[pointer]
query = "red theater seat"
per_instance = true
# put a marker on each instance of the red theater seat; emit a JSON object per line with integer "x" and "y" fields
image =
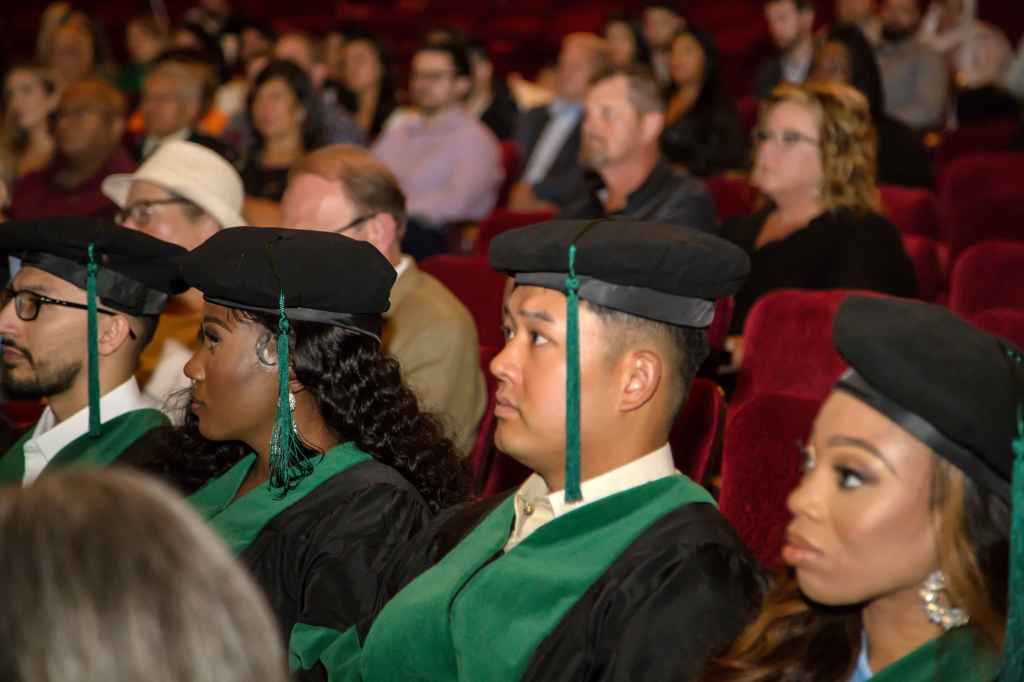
{"x": 913, "y": 211}
{"x": 924, "y": 253}
{"x": 988, "y": 275}
{"x": 1005, "y": 322}
{"x": 995, "y": 136}
{"x": 502, "y": 220}
{"x": 732, "y": 195}
{"x": 980, "y": 199}
{"x": 761, "y": 465}
{"x": 787, "y": 345}
{"x": 478, "y": 286}
{"x": 697, "y": 435}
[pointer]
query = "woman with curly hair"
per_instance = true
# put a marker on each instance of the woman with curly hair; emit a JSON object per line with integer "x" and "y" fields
{"x": 322, "y": 463}
{"x": 903, "y": 564}
{"x": 819, "y": 227}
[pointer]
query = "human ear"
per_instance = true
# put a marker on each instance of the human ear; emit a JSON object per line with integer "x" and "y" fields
{"x": 642, "y": 374}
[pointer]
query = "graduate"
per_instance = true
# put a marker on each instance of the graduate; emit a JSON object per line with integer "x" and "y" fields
{"x": 75, "y": 319}
{"x": 323, "y": 463}
{"x": 900, "y": 542}
{"x": 607, "y": 563}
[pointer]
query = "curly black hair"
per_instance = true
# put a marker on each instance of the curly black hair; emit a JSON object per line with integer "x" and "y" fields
{"x": 361, "y": 396}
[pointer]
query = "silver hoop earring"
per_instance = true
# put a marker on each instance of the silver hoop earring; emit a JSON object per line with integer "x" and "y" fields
{"x": 291, "y": 407}
{"x": 946, "y": 617}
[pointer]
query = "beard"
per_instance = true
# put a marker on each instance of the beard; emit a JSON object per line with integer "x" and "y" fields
{"x": 897, "y": 34}
{"x": 45, "y": 381}
{"x": 594, "y": 154}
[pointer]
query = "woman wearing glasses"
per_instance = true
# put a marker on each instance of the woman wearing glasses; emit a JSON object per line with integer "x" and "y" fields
{"x": 819, "y": 227}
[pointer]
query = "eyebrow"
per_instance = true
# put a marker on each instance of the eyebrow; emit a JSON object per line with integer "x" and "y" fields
{"x": 209, "y": 319}
{"x": 850, "y": 441}
{"x": 540, "y": 315}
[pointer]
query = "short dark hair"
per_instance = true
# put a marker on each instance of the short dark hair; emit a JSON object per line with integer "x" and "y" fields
{"x": 456, "y": 51}
{"x": 801, "y": 5}
{"x": 644, "y": 92}
{"x": 689, "y": 346}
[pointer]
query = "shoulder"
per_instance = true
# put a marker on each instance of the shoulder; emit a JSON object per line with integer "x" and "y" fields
{"x": 431, "y": 296}
{"x": 858, "y": 224}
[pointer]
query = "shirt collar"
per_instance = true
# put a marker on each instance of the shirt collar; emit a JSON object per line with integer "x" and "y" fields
{"x": 648, "y": 188}
{"x": 650, "y": 467}
{"x": 560, "y": 106}
{"x": 50, "y": 438}
{"x": 403, "y": 265}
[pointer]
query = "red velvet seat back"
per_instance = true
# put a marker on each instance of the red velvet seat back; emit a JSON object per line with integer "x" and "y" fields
{"x": 761, "y": 465}
{"x": 924, "y": 254}
{"x": 501, "y": 220}
{"x": 980, "y": 199}
{"x": 994, "y": 136}
{"x": 719, "y": 328}
{"x": 1005, "y": 322}
{"x": 787, "y": 345}
{"x": 478, "y": 286}
{"x": 912, "y": 211}
{"x": 732, "y": 196}
{"x": 988, "y": 275}
{"x": 698, "y": 432}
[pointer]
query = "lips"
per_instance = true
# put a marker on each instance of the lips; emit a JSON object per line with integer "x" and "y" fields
{"x": 504, "y": 407}
{"x": 799, "y": 551}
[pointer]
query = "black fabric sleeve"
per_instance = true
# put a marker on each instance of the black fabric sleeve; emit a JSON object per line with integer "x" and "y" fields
{"x": 871, "y": 256}
{"x": 678, "y": 596}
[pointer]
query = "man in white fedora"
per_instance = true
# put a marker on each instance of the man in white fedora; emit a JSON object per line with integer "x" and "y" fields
{"x": 182, "y": 194}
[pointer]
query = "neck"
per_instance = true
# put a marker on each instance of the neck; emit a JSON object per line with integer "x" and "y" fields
{"x": 283, "y": 149}
{"x": 39, "y": 136}
{"x": 684, "y": 98}
{"x": 622, "y": 179}
{"x": 630, "y": 441}
{"x": 434, "y": 114}
{"x": 895, "y": 626}
{"x": 313, "y": 430}
{"x": 797, "y": 209}
{"x": 76, "y": 398}
{"x": 803, "y": 50}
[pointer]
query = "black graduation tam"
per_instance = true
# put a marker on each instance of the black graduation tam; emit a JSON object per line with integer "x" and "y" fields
{"x": 135, "y": 272}
{"x": 949, "y": 384}
{"x": 324, "y": 277}
{"x": 662, "y": 272}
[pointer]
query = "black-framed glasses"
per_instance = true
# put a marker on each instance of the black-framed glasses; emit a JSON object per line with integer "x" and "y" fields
{"x": 788, "y": 138}
{"x": 355, "y": 223}
{"x": 28, "y": 303}
{"x": 141, "y": 212}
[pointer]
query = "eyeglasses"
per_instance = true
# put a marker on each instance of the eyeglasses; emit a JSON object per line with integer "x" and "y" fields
{"x": 141, "y": 212}
{"x": 356, "y": 223}
{"x": 28, "y": 303}
{"x": 788, "y": 138}
{"x": 432, "y": 76}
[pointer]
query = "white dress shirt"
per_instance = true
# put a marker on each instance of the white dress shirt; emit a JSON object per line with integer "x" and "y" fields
{"x": 536, "y": 505}
{"x": 563, "y": 119}
{"x": 49, "y": 437}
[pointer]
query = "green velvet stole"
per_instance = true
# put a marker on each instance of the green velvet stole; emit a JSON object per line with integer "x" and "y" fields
{"x": 118, "y": 434}
{"x": 956, "y": 655}
{"x": 470, "y": 618}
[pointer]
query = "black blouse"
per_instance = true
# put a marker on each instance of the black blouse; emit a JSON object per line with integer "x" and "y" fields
{"x": 839, "y": 249}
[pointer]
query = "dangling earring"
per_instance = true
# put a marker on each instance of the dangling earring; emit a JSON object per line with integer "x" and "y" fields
{"x": 291, "y": 406}
{"x": 946, "y": 617}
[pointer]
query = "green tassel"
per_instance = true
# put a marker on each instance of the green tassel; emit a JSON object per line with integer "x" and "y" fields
{"x": 93, "y": 341}
{"x": 1013, "y": 646}
{"x": 572, "y": 383}
{"x": 288, "y": 465}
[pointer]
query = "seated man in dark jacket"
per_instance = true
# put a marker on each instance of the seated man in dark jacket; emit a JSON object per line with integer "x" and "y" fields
{"x": 622, "y": 125}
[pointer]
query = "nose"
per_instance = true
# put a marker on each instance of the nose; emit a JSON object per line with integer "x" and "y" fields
{"x": 805, "y": 499}
{"x": 194, "y": 367}
{"x": 503, "y": 365}
{"x": 9, "y": 321}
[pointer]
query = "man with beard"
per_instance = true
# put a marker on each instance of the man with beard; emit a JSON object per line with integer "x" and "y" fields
{"x": 791, "y": 25}
{"x": 74, "y": 320}
{"x": 623, "y": 120}
{"x": 914, "y": 76}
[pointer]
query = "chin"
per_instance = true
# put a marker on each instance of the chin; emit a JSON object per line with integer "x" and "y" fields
{"x": 834, "y": 593}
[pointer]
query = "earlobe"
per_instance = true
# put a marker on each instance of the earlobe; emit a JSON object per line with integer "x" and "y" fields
{"x": 643, "y": 376}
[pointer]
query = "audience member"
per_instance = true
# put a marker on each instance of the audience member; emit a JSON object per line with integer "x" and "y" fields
{"x": 489, "y": 98}
{"x": 911, "y": 456}
{"x": 51, "y": 18}
{"x": 702, "y": 130}
{"x": 661, "y": 21}
{"x": 625, "y": 39}
{"x": 814, "y": 162}
{"x": 344, "y": 189}
{"x": 284, "y": 113}
{"x": 175, "y": 96}
{"x": 847, "y": 57}
{"x": 914, "y": 75}
{"x": 183, "y": 194}
{"x": 79, "y": 358}
{"x": 212, "y": 16}
{"x": 190, "y": 38}
{"x": 79, "y": 49}
{"x": 978, "y": 53}
{"x": 90, "y": 123}
{"x": 368, "y": 79}
{"x": 31, "y": 98}
{"x": 606, "y": 552}
{"x": 303, "y": 50}
{"x": 791, "y": 25}
{"x": 254, "y": 38}
{"x": 145, "y": 38}
{"x": 116, "y": 579}
{"x": 549, "y": 135}
{"x": 862, "y": 14}
{"x": 333, "y": 47}
{"x": 625, "y": 117}
{"x": 447, "y": 162}
{"x": 322, "y": 463}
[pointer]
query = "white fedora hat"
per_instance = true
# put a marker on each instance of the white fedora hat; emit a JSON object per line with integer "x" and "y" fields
{"x": 192, "y": 171}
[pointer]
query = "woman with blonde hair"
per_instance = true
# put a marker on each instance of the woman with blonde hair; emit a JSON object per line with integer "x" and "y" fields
{"x": 819, "y": 226}
{"x": 109, "y": 577}
{"x": 30, "y": 100}
{"x": 900, "y": 539}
